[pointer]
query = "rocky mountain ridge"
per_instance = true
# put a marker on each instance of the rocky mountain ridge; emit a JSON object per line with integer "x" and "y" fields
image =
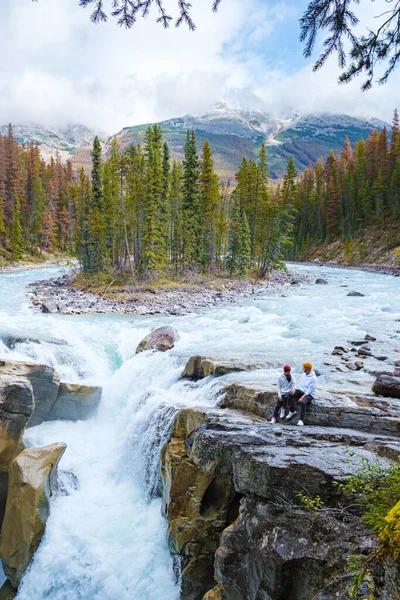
{"x": 233, "y": 133}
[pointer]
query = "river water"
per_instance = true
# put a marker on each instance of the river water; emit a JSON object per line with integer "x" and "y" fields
{"x": 105, "y": 538}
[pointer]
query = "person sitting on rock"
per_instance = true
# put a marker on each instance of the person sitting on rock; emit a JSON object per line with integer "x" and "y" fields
{"x": 304, "y": 394}
{"x": 286, "y": 385}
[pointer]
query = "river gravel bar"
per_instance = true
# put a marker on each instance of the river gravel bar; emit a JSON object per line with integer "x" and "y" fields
{"x": 57, "y": 295}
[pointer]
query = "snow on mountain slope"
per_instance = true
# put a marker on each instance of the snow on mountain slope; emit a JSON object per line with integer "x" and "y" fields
{"x": 232, "y": 131}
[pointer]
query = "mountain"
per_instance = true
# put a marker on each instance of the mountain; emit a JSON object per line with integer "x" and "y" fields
{"x": 66, "y": 139}
{"x": 234, "y": 133}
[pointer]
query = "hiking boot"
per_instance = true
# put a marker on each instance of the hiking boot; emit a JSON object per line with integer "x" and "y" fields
{"x": 273, "y": 420}
{"x": 300, "y": 422}
{"x": 290, "y": 415}
{"x": 282, "y": 413}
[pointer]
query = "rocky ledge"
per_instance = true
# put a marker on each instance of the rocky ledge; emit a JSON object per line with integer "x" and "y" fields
{"x": 233, "y": 486}
{"x": 59, "y": 296}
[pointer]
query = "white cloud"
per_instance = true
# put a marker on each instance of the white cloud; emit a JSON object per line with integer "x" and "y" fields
{"x": 60, "y": 68}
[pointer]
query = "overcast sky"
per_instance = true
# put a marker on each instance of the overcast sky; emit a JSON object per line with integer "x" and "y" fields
{"x": 56, "y": 67}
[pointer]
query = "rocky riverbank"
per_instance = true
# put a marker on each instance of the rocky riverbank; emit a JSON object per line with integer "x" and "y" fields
{"x": 253, "y": 510}
{"x": 368, "y": 267}
{"x": 31, "y": 266}
{"x": 58, "y": 295}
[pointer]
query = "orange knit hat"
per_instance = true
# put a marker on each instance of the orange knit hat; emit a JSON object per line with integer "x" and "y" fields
{"x": 307, "y": 365}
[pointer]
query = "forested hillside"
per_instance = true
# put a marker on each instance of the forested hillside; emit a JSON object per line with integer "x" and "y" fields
{"x": 38, "y": 201}
{"x": 357, "y": 189}
{"x": 142, "y": 216}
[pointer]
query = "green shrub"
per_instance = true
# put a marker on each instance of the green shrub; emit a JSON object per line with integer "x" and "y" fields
{"x": 377, "y": 492}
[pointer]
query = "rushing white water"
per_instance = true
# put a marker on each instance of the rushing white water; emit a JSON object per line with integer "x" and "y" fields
{"x": 105, "y": 538}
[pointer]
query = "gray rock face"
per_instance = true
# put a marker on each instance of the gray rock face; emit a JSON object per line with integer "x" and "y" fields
{"x": 16, "y": 407}
{"x": 33, "y": 476}
{"x": 349, "y": 411}
{"x": 387, "y": 385}
{"x": 199, "y": 367}
{"x": 52, "y": 399}
{"x": 356, "y": 294}
{"x": 161, "y": 339}
{"x": 264, "y": 543}
{"x": 321, "y": 281}
{"x": 45, "y": 383}
{"x": 75, "y": 402}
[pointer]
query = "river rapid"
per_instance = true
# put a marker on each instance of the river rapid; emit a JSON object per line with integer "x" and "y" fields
{"x": 106, "y": 538}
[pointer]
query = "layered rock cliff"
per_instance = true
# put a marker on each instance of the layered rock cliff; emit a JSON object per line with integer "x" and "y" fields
{"x": 234, "y": 490}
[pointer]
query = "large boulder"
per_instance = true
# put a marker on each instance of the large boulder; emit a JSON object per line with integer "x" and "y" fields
{"x": 199, "y": 367}
{"x": 45, "y": 383}
{"x": 49, "y": 305}
{"x": 32, "y": 478}
{"x": 161, "y": 339}
{"x": 387, "y": 385}
{"x": 75, "y": 402}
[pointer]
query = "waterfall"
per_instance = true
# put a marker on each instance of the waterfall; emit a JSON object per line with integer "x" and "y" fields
{"x": 106, "y": 538}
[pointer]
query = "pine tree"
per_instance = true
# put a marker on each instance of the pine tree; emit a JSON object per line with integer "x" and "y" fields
{"x": 244, "y": 246}
{"x": 209, "y": 200}
{"x": 289, "y": 183}
{"x": 16, "y": 236}
{"x": 175, "y": 213}
{"x": 96, "y": 231}
{"x": 154, "y": 249}
{"x": 190, "y": 202}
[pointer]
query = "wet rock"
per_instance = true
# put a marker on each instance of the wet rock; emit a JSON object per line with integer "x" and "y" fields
{"x": 49, "y": 306}
{"x": 32, "y": 477}
{"x": 352, "y": 366}
{"x": 344, "y": 410}
{"x": 231, "y": 488}
{"x": 52, "y": 399}
{"x": 45, "y": 383}
{"x": 199, "y": 367}
{"x": 364, "y": 351}
{"x": 7, "y": 592}
{"x": 11, "y": 339}
{"x": 359, "y": 365}
{"x": 321, "y": 281}
{"x": 340, "y": 350}
{"x": 75, "y": 402}
{"x": 370, "y": 338}
{"x": 16, "y": 407}
{"x": 387, "y": 385}
{"x": 161, "y": 339}
{"x": 356, "y": 294}
{"x": 358, "y": 343}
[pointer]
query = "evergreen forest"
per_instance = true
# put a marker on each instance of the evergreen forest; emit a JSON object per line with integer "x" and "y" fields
{"x": 143, "y": 216}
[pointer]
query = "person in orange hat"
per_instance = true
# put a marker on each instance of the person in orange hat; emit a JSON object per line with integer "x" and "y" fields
{"x": 286, "y": 385}
{"x": 304, "y": 394}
